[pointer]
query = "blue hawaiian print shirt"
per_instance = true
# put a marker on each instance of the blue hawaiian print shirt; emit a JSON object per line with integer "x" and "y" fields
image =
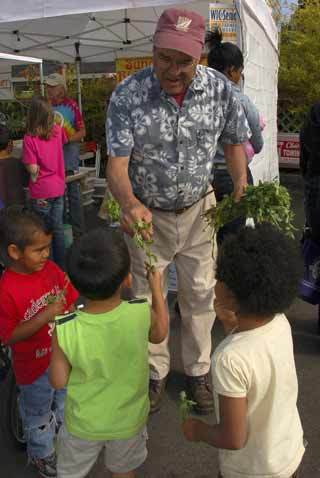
{"x": 172, "y": 148}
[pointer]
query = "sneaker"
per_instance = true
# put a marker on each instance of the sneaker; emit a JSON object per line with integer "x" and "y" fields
{"x": 47, "y": 467}
{"x": 200, "y": 391}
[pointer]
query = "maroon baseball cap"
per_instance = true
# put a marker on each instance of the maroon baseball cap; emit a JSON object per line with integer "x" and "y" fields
{"x": 182, "y": 30}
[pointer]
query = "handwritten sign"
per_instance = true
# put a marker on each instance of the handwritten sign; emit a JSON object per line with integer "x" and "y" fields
{"x": 224, "y": 17}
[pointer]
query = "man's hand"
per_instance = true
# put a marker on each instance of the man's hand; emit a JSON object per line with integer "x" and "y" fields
{"x": 120, "y": 186}
{"x": 77, "y": 135}
{"x": 133, "y": 213}
{"x": 239, "y": 191}
{"x": 191, "y": 429}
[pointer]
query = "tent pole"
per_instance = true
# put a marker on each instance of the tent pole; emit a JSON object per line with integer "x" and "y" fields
{"x": 78, "y": 62}
{"x": 41, "y": 79}
{"x": 79, "y": 85}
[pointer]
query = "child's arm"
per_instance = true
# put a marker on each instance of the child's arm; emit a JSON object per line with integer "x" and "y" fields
{"x": 230, "y": 433}
{"x": 26, "y": 329}
{"x": 253, "y": 119}
{"x": 159, "y": 311}
{"x": 60, "y": 367}
{"x": 33, "y": 170}
{"x": 29, "y": 158}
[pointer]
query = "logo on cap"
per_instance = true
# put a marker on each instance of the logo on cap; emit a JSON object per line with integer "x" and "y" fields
{"x": 183, "y": 24}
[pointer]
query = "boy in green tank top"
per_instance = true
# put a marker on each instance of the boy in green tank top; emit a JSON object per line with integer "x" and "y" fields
{"x": 101, "y": 355}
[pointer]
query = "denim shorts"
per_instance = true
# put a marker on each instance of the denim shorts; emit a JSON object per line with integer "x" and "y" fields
{"x": 76, "y": 457}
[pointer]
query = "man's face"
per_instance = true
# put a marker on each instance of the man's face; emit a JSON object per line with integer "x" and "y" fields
{"x": 175, "y": 70}
{"x": 56, "y": 94}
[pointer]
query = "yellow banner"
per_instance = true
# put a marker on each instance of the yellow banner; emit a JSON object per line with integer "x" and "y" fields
{"x": 127, "y": 66}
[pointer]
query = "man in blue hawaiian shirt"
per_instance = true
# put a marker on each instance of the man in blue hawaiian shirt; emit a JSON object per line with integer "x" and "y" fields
{"x": 163, "y": 125}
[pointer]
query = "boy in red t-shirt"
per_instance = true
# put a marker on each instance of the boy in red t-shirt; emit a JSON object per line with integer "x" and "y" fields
{"x": 33, "y": 290}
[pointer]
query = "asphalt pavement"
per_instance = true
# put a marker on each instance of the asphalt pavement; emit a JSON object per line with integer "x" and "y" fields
{"x": 170, "y": 456}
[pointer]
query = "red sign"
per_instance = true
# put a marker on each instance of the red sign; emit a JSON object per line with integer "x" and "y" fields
{"x": 288, "y": 150}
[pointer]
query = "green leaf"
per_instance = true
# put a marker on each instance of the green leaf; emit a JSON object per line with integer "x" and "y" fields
{"x": 185, "y": 406}
{"x": 267, "y": 202}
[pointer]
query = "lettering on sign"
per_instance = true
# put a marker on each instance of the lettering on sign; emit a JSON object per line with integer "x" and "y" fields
{"x": 127, "y": 66}
{"x": 289, "y": 150}
{"x": 224, "y": 17}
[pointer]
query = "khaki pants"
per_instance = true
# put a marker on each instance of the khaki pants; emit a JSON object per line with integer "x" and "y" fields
{"x": 182, "y": 239}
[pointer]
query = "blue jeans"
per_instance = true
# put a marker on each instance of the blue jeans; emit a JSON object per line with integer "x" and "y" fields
{"x": 73, "y": 197}
{"x": 51, "y": 210}
{"x": 42, "y": 412}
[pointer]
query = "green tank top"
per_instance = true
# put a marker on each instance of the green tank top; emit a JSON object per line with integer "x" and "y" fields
{"x": 107, "y": 392}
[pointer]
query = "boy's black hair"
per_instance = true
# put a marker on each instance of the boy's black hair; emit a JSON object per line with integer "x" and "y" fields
{"x": 4, "y": 137}
{"x": 261, "y": 266}
{"x": 17, "y": 226}
{"x": 98, "y": 263}
{"x": 222, "y": 55}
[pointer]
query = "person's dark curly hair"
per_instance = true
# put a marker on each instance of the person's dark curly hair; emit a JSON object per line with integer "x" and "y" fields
{"x": 261, "y": 266}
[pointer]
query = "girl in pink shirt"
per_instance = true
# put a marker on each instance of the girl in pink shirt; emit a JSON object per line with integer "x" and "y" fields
{"x": 43, "y": 158}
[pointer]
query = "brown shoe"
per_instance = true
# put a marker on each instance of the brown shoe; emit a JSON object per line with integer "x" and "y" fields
{"x": 199, "y": 390}
{"x": 156, "y": 389}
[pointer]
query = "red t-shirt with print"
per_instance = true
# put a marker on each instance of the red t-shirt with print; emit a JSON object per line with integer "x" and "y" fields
{"x": 22, "y": 297}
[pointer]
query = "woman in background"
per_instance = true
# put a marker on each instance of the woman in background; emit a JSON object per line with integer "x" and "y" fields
{"x": 227, "y": 58}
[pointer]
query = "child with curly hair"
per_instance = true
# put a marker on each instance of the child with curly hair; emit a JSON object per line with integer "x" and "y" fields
{"x": 259, "y": 432}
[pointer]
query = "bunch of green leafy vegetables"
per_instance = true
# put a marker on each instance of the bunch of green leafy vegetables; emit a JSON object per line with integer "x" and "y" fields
{"x": 139, "y": 228}
{"x": 267, "y": 202}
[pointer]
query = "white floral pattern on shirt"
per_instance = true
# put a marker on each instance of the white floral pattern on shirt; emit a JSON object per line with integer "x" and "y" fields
{"x": 172, "y": 148}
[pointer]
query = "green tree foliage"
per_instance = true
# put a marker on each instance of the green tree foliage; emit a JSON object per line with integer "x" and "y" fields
{"x": 95, "y": 95}
{"x": 299, "y": 83}
{"x": 15, "y": 113}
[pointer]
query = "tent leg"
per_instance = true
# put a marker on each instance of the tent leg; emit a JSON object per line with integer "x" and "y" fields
{"x": 41, "y": 80}
{"x": 78, "y": 85}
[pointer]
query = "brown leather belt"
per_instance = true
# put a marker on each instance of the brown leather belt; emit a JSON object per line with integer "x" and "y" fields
{"x": 174, "y": 211}
{"x": 183, "y": 209}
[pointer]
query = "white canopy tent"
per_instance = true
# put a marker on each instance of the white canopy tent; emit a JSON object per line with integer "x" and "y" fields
{"x": 103, "y": 35}
{"x": 110, "y": 29}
